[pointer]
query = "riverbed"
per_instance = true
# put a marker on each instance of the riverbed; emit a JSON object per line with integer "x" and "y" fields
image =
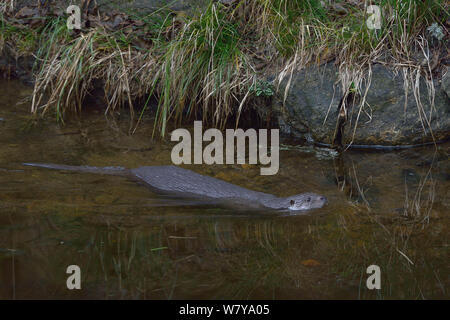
{"x": 389, "y": 209}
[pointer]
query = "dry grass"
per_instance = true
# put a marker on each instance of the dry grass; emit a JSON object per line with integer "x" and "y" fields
{"x": 206, "y": 65}
{"x": 68, "y": 74}
{"x": 356, "y": 48}
{"x": 203, "y": 66}
{"x": 6, "y": 6}
{"x": 420, "y": 205}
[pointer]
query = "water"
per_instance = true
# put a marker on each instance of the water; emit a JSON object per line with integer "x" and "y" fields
{"x": 389, "y": 209}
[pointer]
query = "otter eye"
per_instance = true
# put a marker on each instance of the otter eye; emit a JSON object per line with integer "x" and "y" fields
{"x": 308, "y": 199}
{"x": 292, "y": 202}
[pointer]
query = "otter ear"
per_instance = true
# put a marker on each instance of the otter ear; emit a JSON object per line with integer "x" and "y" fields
{"x": 292, "y": 202}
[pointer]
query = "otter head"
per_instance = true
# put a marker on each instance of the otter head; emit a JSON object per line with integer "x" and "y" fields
{"x": 306, "y": 201}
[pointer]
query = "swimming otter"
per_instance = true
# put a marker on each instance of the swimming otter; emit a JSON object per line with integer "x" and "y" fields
{"x": 188, "y": 183}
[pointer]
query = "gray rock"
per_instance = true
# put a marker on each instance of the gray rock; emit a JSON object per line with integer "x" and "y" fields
{"x": 314, "y": 91}
{"x": 445, "y": 83}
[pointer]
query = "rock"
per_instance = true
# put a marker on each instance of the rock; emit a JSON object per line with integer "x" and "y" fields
{"x": 27, "y": 12}
{"x": 313, "y": 92}
{"x": 445, "y": 83}
{"x": 15, "y": 66}
{"x": 339, "y": 9}
{"x": 227, "y": 2}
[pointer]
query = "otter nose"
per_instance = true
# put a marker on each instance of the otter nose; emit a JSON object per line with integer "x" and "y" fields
{"x": 323, "y": 199}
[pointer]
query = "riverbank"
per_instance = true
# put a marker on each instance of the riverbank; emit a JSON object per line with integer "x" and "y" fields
{"x": 314, "y": 69}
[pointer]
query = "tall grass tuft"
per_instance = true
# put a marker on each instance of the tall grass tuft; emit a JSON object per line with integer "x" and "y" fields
{"x": 67, "y": 73}
{"x": 206, "y": 64}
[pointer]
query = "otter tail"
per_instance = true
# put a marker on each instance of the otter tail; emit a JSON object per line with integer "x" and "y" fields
{"x": 119, "y": 171}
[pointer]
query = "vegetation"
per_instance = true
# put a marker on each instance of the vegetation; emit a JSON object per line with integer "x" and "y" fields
{"x": 213, "y": 62}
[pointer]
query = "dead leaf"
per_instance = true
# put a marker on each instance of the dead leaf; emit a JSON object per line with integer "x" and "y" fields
{"x": 310, "y": 263}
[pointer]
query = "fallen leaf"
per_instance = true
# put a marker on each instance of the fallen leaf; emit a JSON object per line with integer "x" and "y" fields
{"x": 310, "y": 263}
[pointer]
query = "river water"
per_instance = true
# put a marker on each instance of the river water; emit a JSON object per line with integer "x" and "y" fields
{"x": 389, "y": 209}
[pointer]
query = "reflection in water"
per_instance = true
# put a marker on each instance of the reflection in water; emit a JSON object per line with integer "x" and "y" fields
{"x": 389, "y": 209}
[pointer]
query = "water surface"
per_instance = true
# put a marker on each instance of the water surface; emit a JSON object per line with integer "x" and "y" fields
{"x": 389, "y": 209}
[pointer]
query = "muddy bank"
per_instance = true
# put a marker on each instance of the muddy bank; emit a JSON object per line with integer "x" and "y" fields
{"x": 383, "y": 113}
{"x": 18, "y": 62}
{"x": 144, "y": 6}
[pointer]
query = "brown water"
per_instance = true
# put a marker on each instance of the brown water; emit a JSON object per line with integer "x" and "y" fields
{"x": 389, "y": 209}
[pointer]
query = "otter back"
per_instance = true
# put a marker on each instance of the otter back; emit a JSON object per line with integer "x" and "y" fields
{"x": 179, "y": 180}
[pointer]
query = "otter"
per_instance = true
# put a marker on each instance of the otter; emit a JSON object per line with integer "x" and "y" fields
{"x": 176, "y": 180}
